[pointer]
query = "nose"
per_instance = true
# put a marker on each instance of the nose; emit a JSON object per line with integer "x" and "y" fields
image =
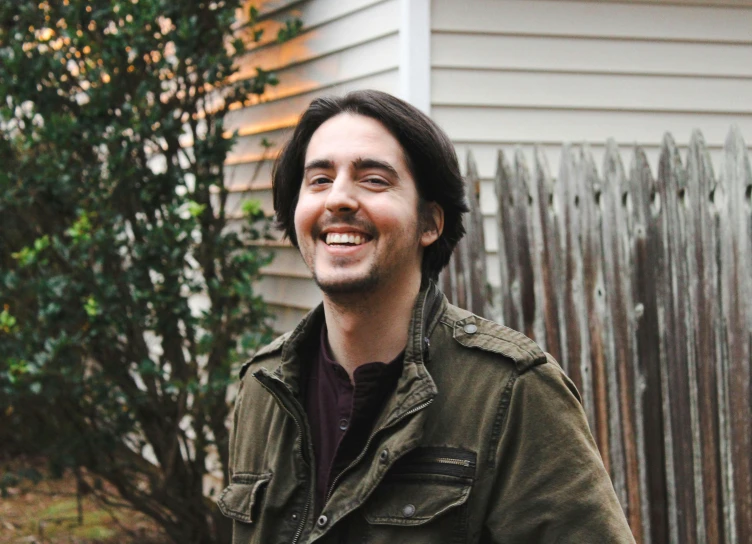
{"x": 341, "y": 198}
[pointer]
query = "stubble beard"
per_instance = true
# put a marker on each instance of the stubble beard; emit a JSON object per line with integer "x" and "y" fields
{"x": 338, "y": 289}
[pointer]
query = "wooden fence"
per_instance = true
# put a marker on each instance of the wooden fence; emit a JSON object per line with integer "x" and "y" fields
{"x": 642, "y": 289}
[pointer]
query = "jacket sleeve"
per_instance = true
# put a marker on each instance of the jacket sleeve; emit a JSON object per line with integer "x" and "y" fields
{"x": 551, "y": 485}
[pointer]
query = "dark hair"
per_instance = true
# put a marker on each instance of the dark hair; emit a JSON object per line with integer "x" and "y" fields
{"x": 429, "y": 154}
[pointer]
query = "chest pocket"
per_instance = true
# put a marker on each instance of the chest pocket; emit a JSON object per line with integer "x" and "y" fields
{"x": 424, "y": 495}
{"x": 241, "y": 500}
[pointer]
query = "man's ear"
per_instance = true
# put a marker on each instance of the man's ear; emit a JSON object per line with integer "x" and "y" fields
{"x": 432, "y": 223}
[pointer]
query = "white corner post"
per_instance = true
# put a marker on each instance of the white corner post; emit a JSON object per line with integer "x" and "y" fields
{"x": 415, "y": 53}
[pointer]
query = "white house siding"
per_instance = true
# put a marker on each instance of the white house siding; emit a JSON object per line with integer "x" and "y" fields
{"x": 346, "y": 45}
{"x": 522, "y": 72}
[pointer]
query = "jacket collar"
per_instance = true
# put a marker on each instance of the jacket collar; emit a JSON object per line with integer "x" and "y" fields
{"x": 414, "y": 384}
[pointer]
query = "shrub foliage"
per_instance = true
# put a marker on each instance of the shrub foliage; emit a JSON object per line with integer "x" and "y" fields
{"x": 126, "y": 297}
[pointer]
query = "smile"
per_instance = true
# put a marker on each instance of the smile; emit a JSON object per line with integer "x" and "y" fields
{"x": 344, "y": 238}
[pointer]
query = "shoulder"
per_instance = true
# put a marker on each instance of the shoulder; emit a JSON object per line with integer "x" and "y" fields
{"x": 472, "y": 332}
{"x": 265, "y": 352}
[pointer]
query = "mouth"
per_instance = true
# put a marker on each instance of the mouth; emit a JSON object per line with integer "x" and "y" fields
{"x": 342, "y": 239}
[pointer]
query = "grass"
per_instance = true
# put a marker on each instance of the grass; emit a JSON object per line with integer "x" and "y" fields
{"x": 46, "y": 512}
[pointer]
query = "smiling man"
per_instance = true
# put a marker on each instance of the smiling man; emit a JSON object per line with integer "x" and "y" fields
{"x": 389, "y": 415}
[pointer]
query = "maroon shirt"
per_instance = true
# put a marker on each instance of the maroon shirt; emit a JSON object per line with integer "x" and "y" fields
{"x": 341, "y": 415}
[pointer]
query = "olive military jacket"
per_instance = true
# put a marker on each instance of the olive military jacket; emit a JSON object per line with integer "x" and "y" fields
{"x": 484, "y": 440}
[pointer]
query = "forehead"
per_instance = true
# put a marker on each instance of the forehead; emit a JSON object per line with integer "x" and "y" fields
{"x": 348, "y": 136}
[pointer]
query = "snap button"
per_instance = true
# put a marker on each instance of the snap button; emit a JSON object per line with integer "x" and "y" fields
{"x": 408, "y": 510}
{"x": 295, "y": 516}
{"x": 343, "y": 424}
{"x": 322, "y": 521}
{"x": 384, "y": 456}
{"x": 470, "y": 328}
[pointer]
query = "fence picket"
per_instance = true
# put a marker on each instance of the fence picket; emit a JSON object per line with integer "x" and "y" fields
{"x": 703, "y": 315}
{"x": 615, "y": 259}
{"x": 597, "y": 312}
{"x": 645, "y": 248}
{"x": 549, "y": 248}
{"x": 474, "y": 260}
{"x": 506, "y": 193}
{"x": 736, "y": 287}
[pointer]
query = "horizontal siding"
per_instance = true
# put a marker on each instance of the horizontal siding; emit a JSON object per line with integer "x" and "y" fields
{"x": 465, "y": 87}
{"x": 374, "y": 56}
{"x": 248, "y": 175}
{"x": 513, "y": 75}
{"x": 345, "y": 46}
{"x": 235, "y": 200}
{"x": 372, "y": 19}
{"x": 287, "y": 261}
{"x": 285, "y": 318}
{"x": 590, "y": 55}
{"x": 594, "y": 19}
{"x": 249, "y": 147}
{"x": 276, "y": 114}
{"x": 549, "y": 126}
{"x": 298, "y": 293}
{"x": 315, "y": 14}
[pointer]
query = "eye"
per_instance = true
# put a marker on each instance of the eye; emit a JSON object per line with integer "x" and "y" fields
{"x": 319, "y": 181}
{"x": 376, "y": 181}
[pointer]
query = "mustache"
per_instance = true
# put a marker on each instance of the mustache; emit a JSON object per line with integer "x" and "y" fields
{"x": 355, "y": 223}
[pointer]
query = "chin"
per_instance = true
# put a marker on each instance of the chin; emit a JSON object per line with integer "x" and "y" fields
{"x": 363, "y": 284}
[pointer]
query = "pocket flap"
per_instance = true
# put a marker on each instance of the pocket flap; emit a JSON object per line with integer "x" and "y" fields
{"x": 414, "y": 500}
{"x": 239, "y": 499}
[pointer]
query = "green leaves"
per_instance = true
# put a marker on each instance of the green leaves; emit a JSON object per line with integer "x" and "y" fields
{"x": 29, "y": 255}
{"x": 7, "y": 321}
{"x": 128, "y": 287}
{"x": 252, "y": 208}
{"x": 80, "y": 231}
{"x": 195, "y": 209}
{"x": 292, "y": 28}
{"x": 91, "y": 307}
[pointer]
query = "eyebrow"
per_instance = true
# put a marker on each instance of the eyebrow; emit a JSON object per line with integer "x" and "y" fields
{"x": 323, "y": 164}
{"x": 358, "y": 164}
{"x": 369, "y": 164}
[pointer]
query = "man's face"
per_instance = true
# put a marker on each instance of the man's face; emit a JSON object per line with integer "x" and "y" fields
{"x": 357, "y": 218}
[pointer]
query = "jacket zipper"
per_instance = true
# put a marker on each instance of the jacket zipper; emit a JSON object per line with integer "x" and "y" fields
{"x": 368, "y": 443}
{"x": 448, "y": 461}
{"x": 408, "y": 413}
{"x": 309, "y": 500}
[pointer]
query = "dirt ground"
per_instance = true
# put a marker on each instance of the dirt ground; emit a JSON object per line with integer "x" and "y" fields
{"x": 46, "y": 512}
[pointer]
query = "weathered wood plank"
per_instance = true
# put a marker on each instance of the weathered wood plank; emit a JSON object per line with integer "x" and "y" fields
{"x": 473, "y": 254}
{"x": 501, "y": 181}
{"x": 549, "y": 245}
{"x": 511, "y": 233}
{"x": 621, "y": 380}
{"x": 597, "y": 311}
{"x": 672, "y": 301}
{"x": 524, "y": 279}
{"x": 575, "y": 324}
{"x": 645, "y": 252}
{"x": 736, "y": 286}
{"x": 701, "y": 217}
{"x": 528, "y": 247}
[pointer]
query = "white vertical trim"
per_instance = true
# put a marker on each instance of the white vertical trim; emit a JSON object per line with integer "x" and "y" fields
{"x": 415, "y": 53}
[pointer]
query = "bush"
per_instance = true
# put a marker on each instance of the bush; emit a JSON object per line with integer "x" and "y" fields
{"x": 126, "y": 297}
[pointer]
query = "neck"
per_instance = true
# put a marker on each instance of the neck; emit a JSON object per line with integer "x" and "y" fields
{"x": 366, "y": 328}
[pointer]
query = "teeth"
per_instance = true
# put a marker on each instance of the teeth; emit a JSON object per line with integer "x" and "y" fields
{"x": 336, "y": 238}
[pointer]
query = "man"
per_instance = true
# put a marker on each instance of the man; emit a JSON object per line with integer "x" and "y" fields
{"x": 389, "y": 415}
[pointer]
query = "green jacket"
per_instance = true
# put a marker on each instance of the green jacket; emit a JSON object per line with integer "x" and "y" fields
{"x": 484, "y": 440}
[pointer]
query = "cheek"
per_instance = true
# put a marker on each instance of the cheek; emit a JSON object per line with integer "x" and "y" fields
{"x": 305, "y": 217}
